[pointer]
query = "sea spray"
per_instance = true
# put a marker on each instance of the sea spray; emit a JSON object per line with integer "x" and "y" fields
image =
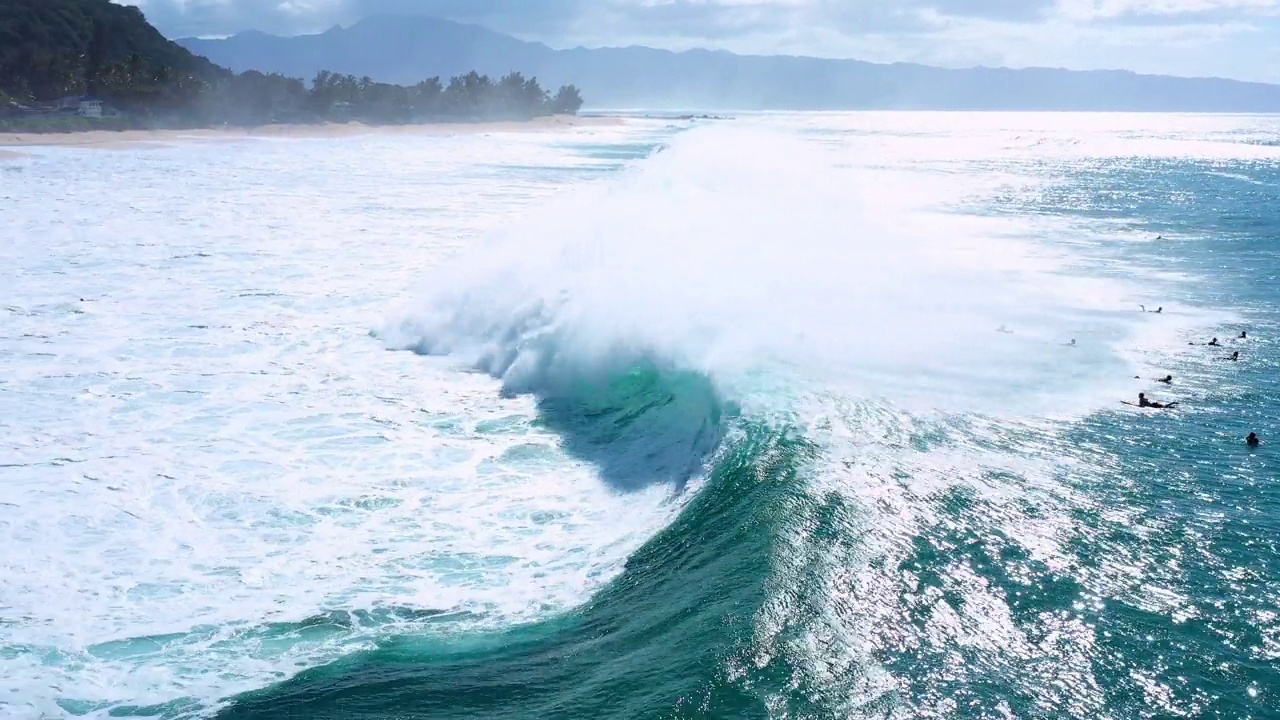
{"x": 747, "y": 255}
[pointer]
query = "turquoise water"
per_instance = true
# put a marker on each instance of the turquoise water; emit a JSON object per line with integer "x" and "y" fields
{"x": 727, "y": 431}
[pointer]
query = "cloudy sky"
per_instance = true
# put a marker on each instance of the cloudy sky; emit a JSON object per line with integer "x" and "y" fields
{"x": 1227, "y": 38}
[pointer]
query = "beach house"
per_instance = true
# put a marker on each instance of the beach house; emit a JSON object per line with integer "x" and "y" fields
{"x": 81, "y": 105}
{"x": 90, "y": 108}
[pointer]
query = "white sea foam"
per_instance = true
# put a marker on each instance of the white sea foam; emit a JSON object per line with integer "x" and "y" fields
{"x": 744, "y": 252}
{"x": 199, "y": 438}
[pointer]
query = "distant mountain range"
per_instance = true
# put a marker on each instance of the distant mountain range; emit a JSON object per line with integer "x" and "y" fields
{"x": 406, "y": 49}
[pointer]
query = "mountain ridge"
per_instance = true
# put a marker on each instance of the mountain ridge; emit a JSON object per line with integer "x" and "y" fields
{"x": 399, "y": 48}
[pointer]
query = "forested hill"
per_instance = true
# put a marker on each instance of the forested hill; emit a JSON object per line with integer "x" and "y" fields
{"x": 53, "y": 48}
{"x": 131, "y": 76}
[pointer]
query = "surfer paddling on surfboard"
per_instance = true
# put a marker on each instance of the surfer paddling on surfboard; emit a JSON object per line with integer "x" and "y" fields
{"x": 1145, "y": 403}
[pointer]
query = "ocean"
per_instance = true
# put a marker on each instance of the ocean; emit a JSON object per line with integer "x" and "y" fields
{"x": 783, "y": 416}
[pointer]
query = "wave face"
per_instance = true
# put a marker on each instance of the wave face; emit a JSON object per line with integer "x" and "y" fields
{"x": 659, "y": 641}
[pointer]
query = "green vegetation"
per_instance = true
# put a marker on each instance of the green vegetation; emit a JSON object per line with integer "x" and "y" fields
{"x": 53, "y": 48}
{"x": 50, "y": 49}
{"x": 65, "y": 123}
{"x": 255, "y": 98}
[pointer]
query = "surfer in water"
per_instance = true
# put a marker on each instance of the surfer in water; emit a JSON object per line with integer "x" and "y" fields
{"x": 1243, "y": 335}
{"x": 1144, "y": 402}
{"x": 1167, "y": 380}
{"x": 1157, "y": 310}
{"x": 1235, "y": 357}
{"x": 1214, "y": 343}
{"x": 1252, "y": 441}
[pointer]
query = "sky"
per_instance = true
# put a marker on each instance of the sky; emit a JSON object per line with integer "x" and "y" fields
{"x": 1223, "y": 38}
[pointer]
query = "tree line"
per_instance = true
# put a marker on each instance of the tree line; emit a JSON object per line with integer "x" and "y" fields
{"x": 256, "y": 98}
{"x": 156, "y": 95}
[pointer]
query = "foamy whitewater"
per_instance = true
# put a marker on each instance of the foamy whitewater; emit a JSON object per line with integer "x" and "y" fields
{"x": 802, "y": 416}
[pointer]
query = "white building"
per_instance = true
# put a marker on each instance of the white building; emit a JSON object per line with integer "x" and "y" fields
{"x": 90, "y": 108}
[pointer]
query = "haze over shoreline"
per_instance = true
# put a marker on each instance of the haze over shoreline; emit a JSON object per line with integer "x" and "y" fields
{"x": 402, "y": 49}
{"x": 122, "y": 139}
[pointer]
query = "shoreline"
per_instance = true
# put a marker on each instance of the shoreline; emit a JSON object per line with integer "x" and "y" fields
{"x": 291, "y": 131}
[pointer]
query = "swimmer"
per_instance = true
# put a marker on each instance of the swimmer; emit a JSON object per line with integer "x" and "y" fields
{"x": 1243, "y": 335}
{"x": 1145, "y": 403}
{"x": 1252, "y": 441}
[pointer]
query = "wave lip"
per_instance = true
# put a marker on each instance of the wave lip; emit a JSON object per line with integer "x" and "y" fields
{"x": 638, "y": 419}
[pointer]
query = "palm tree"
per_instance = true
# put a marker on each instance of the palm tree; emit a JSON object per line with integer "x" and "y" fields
{"x": 568, "y": 101}
{"x": 535, "y": 98}
{"x": 425, "y": 97}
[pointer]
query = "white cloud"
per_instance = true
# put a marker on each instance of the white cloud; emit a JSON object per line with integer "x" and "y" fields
{"x": 1101, "y": 9}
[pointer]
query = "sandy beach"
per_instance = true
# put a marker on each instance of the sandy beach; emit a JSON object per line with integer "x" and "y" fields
{"x": 135, "y": 138}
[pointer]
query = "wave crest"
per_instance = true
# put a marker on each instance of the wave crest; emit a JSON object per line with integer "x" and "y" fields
{"x": 750, "y": 256}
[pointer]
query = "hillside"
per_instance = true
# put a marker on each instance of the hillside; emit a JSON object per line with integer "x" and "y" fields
{"x": 53, "y": 48}
{"x": 398, "y": 49}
